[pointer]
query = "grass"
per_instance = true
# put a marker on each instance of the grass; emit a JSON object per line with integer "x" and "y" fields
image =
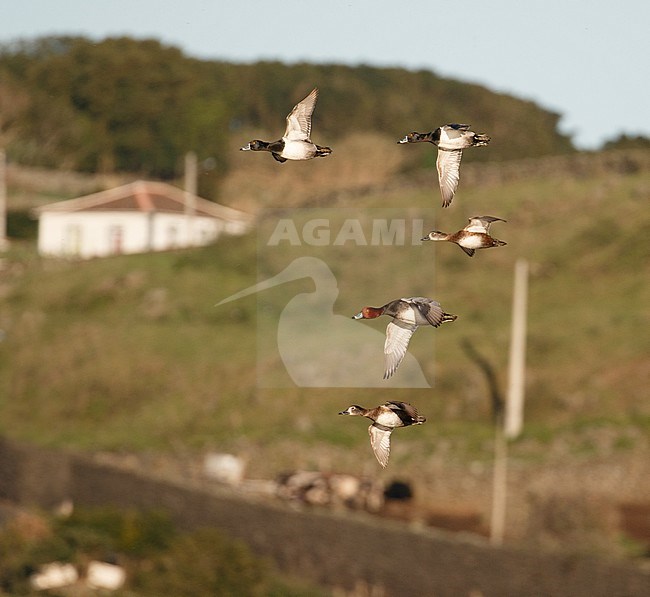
{"x": 130, "y": 353}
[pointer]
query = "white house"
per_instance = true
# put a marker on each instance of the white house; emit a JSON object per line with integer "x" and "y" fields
{"x": 135, "y": 218}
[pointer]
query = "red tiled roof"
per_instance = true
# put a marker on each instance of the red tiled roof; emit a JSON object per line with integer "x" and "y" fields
{"x": 146, "y": 196}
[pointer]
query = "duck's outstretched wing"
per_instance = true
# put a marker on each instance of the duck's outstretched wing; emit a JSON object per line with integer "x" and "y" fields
{"x": 396, "y": 405}
{"x": 448, "y": 165}
{"x": 455, "y": 130}
{"x": 299, "y": 119}
{"x": 380, "y": 442}
{"x": 481, "y": 223}
{"x": 430, "y": 309}
{"x": 406, "y": 412}
{"x": 398, "y": 336}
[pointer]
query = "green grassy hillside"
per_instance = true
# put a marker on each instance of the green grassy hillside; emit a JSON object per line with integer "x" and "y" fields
{"x": 131, "y": 354}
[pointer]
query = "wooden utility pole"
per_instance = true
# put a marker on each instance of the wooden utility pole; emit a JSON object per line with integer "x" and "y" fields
{"x": 190, "y": 182}
{"x": 517, "y": 366}
{"x": 514, "y": 415}
{"x": 4, "y": 241}
{"x": 499, "y": 484}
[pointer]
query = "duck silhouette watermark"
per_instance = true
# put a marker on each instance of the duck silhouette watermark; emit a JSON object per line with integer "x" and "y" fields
{"x": 321, "y": 232}
{"x": 306, "y": 334}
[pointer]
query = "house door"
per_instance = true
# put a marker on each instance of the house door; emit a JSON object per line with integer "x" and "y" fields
{"x": 115, "y": 239}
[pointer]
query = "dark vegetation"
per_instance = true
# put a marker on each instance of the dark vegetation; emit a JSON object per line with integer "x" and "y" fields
{"x": 628, "y": 142}
{"x": 158, "y": 558}
{"x": 21, "y": 225}
{"x": 138, "y": 106}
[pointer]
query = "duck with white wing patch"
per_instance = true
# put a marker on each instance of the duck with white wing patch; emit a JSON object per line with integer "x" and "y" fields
{"x": 451, "y": 139}
{"x": 296, "y": 143}
{"x": 407, "y": 314}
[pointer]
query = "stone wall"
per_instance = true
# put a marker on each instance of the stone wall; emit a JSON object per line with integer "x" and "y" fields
{"x": 330, "y": 549}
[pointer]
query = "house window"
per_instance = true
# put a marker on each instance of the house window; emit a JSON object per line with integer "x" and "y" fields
{"x": 115, "y": 239}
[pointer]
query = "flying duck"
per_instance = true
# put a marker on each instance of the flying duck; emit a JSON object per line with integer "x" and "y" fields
{"x": 407, "y": 314}
{"x": 385, "y": 418}
{"x": 451, "y": 139}
{"x": 296, "y": 144}
{"x": 473, "y": 236}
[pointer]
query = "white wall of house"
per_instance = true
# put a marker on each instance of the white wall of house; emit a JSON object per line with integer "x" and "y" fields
{"x": 171, "y": 231}
{"x": 88, "y": 234}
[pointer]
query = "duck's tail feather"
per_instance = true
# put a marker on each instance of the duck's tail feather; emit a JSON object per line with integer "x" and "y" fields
{"x": 481, "y": 139}
{"x": 448, "y": 317}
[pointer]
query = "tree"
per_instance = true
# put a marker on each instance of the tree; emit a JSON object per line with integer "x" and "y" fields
{"x": 139, "y": 106}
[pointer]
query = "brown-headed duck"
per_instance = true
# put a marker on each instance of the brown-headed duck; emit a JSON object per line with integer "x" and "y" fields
{"x": 473, "y": 236}
{"x": 407, "y": 314}
{"x": 385, "y": 418}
